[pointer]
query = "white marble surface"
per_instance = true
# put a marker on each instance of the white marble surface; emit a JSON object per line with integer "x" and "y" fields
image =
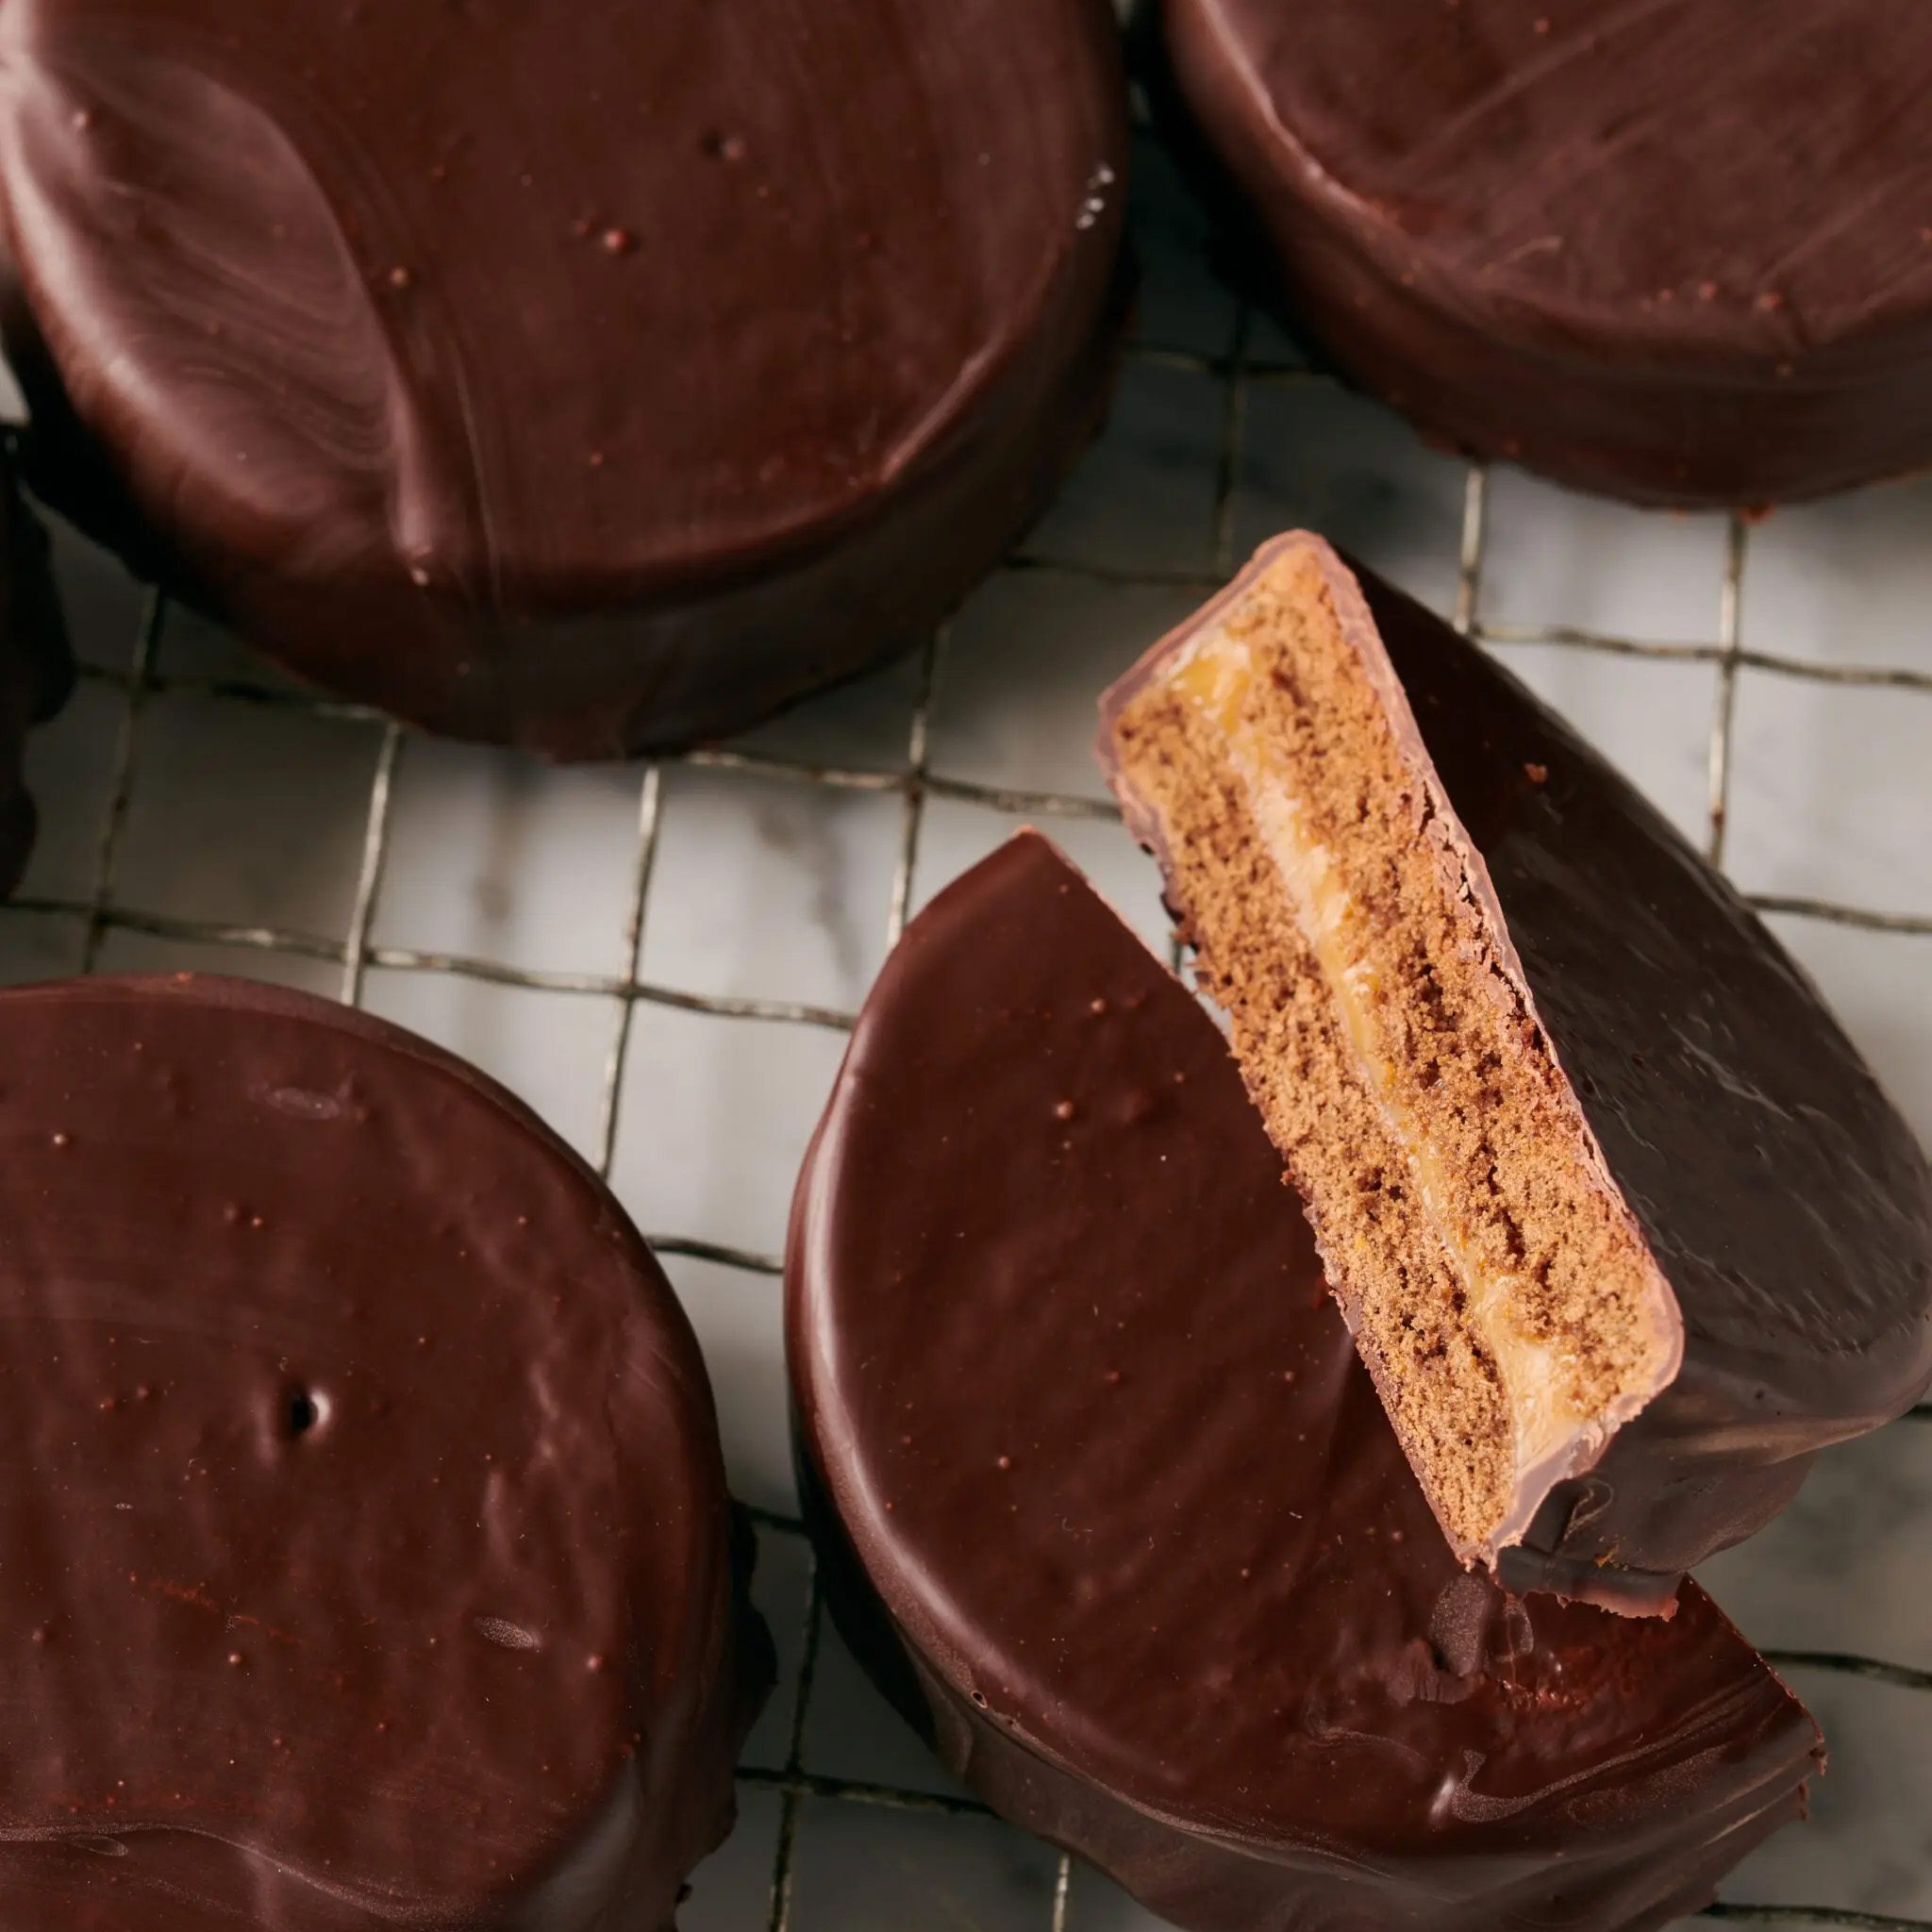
{"x": 768, "y": 887}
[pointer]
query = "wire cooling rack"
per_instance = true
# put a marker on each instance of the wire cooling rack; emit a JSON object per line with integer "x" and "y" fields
{"x": 1241, "y": 373}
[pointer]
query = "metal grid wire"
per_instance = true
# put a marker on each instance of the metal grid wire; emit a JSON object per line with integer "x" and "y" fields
{"x": 915, "y": 785}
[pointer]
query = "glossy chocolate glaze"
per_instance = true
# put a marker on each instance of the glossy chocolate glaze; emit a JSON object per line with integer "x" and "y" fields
{"x": 1676, "y": 250}
{"x": 1787, "y": 1202}
{"x": 36, "y": 668}
{"x": 363, "y": 1547}
{"x": 594, "y": 390}
{"x": 1114, "y": 1513}
{"x": 1790, "y": 1204}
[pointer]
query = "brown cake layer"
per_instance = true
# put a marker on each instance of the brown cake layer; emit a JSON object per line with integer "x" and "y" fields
{"x": 1110, "y": 1509}
{"x": 1530, "y": 1061}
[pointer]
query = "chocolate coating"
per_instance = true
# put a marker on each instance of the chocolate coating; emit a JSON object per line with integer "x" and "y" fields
{"x": 1785, "y": 1201}
{"x": 592, "y": 389}
{"x": 363, "y": 1548}
{"x": 1113, "y": 1510}
{"x": 36, "y": 668}
{"x": 1678, "y": 251}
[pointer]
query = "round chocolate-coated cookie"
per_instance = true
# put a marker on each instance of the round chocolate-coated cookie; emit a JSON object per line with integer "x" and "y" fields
{"x": 1679, "y": 251}
{"x": 364, "y": 1549}
{"x": 1111, "y": 1509}
{"x": 590, "y": 382}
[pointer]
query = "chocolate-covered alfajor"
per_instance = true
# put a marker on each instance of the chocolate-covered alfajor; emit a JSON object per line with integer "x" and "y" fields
{"x": 364, "y": 1549}
{"x": 1625, "y": 1229}
{"x": 592, "y": 380}
{"x": 1111, "y": 1510}
{"x": 1680, "y": 252}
